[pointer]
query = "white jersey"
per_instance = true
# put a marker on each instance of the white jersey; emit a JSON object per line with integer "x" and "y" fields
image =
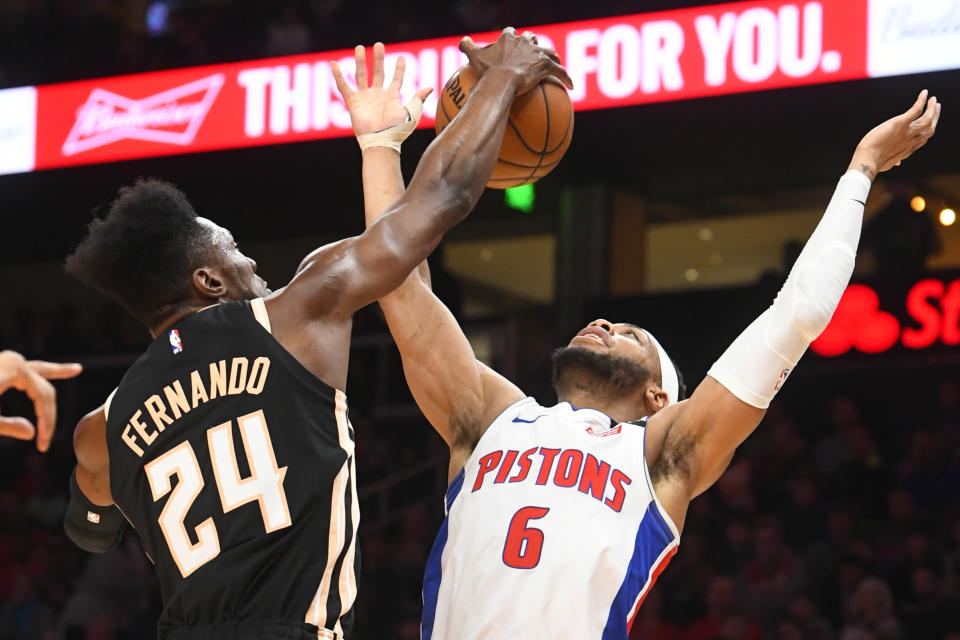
{"x": 553, "y": 531}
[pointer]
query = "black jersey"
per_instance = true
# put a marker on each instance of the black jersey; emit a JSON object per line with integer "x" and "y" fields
{"x": 235, "y": 466}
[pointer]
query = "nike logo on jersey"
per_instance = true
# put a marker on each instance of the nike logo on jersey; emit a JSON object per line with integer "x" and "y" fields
{"x": 567, "y": 468}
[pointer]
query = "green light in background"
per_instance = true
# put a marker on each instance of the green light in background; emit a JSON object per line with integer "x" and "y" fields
{"x": 520, "y": 197}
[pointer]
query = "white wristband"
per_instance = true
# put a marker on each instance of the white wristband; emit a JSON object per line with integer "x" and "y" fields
{"x": 394, "y": 136}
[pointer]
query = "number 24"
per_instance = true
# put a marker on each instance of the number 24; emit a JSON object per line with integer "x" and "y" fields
{"x": 264, "y": 485}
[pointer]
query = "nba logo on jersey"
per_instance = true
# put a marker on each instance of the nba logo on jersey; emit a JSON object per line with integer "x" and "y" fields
{"x": 782, "y": 379}
{"x": 175, "y": 343}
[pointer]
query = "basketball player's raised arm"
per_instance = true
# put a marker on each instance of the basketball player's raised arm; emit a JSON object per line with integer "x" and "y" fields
{"x": 701, "y": 434}
{"x": 449, "y": 179}
{"x": 458, "y": 394}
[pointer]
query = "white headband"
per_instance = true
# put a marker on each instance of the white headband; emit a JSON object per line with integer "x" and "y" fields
{"x": 668, "y": 373}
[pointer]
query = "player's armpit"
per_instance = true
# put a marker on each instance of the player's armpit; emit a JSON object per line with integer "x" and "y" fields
{"x": 716, "y": 422}
{"x": 699, "y": 437}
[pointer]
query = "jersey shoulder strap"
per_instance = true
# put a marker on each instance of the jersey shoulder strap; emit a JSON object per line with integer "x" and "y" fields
{"x": 260, "y": 313}
{"x": 108, "y": 402}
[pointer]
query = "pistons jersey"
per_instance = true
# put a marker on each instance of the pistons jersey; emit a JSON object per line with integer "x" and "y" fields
{"x": 235, "y": 466}
{"x": 552, "y": 530}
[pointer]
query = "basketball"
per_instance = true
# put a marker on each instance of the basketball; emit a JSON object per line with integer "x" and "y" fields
{"x": 538, "y": 131}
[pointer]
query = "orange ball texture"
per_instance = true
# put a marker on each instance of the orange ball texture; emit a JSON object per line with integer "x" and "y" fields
{"x": 538, "y": 132}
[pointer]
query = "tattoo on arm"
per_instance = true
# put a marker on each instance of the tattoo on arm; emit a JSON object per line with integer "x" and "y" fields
{"x": 867, "y": 170}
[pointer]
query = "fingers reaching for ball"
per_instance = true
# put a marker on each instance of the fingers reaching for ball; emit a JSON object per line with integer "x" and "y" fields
{"x": 342, "y": 85}
{"x": 559, "y": 72}
{"x": 378, "y": 66}
{"x": 423, "y": 94}
{"x": 468, "y": 46}
{"x": 360, "y": 73}
{"x": 520, "y": 54}
{"x": 398, "y": 71}
{"x": 552, "y": 54}
{"x": 373, "y": 105}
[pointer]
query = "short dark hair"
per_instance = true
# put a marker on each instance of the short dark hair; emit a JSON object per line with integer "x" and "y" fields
{"x": 143, "y": 252}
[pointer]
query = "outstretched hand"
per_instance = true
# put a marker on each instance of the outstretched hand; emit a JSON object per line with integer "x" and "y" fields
{"x": 31, "y": 378}
{"x": 519, "y": 54}
{"x": 374, "y": 107}
{"x": 888, "y": 144}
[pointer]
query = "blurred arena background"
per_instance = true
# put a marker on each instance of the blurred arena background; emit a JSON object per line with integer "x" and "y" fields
{"x": 839, "y": 518}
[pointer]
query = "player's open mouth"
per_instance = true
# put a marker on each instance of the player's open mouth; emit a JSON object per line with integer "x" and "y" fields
{"x": 594, "y": 333}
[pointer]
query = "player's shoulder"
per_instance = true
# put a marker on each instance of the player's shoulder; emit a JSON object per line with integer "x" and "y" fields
{"x": 190, "y": 339}
{"x": 90, "y": 439}
{"x": 207, "y": 326}
{"x": 593, "y": 421}
{"x": 521, "y": 408}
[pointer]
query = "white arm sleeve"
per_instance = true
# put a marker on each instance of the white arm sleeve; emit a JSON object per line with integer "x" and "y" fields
{"x": 755, "y": 366}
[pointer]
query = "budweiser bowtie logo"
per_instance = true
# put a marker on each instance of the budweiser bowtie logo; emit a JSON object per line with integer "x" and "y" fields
{"x": 171, "y": 117}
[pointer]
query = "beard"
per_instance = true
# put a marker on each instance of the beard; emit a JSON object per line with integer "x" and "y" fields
{"x": 602, "y": 376}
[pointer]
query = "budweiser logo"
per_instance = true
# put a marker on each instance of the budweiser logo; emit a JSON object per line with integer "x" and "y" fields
{"x": 171, "y": 117}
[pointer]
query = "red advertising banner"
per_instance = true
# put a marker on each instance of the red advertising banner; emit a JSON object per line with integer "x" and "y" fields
{"x": 860, "y": 325}
{"x": 628, "y": 60}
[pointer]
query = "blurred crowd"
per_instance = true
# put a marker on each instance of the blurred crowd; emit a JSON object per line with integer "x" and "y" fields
{"x": 839, "y": 519}
{"x": 44, "y": 41}
{"x": 838, "y": 525}
{"x": 64, "y": 332}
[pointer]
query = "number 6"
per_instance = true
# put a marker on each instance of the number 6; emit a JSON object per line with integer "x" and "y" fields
{"x": 524, "y": 544}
